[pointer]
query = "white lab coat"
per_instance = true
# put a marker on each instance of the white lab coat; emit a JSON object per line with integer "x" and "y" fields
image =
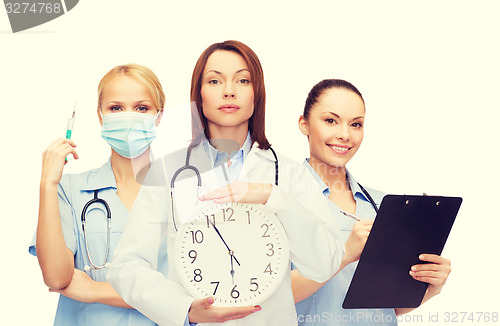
{"x": 316, "y": 248}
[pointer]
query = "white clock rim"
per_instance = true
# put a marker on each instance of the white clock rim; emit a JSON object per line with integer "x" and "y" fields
{"x": 280, "y": 276}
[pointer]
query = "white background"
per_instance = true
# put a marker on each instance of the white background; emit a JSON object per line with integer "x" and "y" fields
{"x": 428, "y": 70}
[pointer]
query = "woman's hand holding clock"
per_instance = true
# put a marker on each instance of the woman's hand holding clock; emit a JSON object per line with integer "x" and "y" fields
{"x": 242, "y": 192}
{"x": 203, "y": 311}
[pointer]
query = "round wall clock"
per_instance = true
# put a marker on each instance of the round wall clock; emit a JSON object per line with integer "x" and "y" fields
{"x": 235, "y": 252}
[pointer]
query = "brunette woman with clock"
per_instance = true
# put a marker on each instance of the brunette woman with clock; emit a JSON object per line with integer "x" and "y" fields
{"x": 230, "y": 260}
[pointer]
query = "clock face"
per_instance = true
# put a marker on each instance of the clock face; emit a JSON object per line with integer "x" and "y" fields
{"x": 235, "y": 252}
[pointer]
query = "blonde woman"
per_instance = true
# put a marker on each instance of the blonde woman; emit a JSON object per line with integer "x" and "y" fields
{"x": 74, "y": 262}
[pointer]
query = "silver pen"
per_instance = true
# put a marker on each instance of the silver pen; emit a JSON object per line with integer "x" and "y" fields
{"x": 354, "y": 217}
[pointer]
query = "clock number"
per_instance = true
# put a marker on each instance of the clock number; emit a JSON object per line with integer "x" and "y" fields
{"x": 216, "y": 286}
{"x": 248, "y": 213}
{"x": 268, "y": 269}
{"x": 208, "y": 221}
{"x": 230, "y": 218}
{"x": 271, "y": 251}
{"x": 252, "y": 282}
{"x": 197, "y": 275}
{"x": 234, "y": 293}
{"x": 192, "y": 254}
{"x": 197, "y": 236}
{"x": 265, "y": 235}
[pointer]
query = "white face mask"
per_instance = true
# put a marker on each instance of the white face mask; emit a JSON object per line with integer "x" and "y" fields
{"x": 129, "y": 133}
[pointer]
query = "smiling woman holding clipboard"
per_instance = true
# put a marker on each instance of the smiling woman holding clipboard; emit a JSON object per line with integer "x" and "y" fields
{"x": 333, "y": 121}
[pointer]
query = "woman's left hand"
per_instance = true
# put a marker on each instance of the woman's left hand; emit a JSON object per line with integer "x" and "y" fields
{"x": 80, "y": 289}
{"x": 239, "y": 191}
{"x": 434, "y": 273}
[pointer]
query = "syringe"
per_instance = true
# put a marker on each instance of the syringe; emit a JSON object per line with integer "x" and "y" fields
{"x": 69, "y": 129}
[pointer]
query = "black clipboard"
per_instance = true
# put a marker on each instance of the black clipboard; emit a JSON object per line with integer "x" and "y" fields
{"x": 405, "y": 227}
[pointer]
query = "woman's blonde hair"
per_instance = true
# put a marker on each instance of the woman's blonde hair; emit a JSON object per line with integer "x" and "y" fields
{"x": 142, "y": 75}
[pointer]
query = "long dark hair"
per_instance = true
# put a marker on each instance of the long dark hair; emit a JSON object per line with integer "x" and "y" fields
{"x": 256, "y": 124}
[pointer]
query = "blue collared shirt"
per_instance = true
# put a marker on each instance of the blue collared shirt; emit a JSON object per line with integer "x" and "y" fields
{"x": 237, "y": 158}
{"x": 74, "y": 191}
{"x": 225, "y": 174}
{"x": 325, "y": 306}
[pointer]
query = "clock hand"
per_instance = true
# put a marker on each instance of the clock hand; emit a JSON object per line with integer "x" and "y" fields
{"x": 232, "y": 268}
{"x": 229, "y": 250}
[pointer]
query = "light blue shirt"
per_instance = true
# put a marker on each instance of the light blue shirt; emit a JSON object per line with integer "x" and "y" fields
{"x": 325, "y": 306}
{"x": 227, "y": 174}
{"x": 219, "y": 158}
{"x": 74, "y": 191}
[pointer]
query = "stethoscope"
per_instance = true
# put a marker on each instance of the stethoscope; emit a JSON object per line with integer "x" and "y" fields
{"x": 95, "y": 200}
{"x": 187, "y": 166}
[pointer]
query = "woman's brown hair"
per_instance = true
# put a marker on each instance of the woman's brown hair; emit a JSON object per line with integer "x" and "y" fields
{"x": 256, "y": 124}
